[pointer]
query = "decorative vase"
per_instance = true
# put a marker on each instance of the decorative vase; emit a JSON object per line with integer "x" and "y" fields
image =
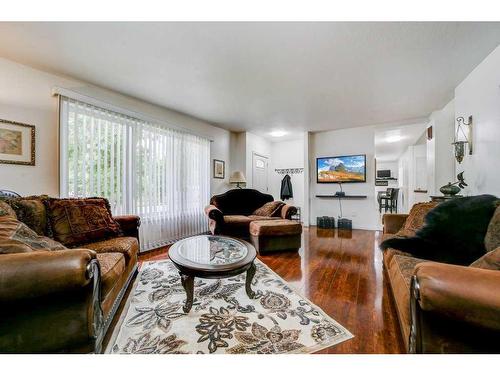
{"x": 449, "y": 190}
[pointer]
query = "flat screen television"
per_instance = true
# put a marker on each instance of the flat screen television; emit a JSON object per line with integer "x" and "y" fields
{"x": 335, "y": 169}
{"x": 384, "y": 173}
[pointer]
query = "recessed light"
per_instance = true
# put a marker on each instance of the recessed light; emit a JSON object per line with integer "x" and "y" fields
{"x": 278, "y": 133}
{"x": 393, "y": 138}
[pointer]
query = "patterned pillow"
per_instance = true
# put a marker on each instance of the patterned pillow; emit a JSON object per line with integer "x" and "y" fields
{"x": 489, "y": 261}
{"x": 77, "y": 221}
{"x": 492, "y": 238}
{"x": 271, "y": 209}
{"x": 17, "y": 237}
{"x": 6, "y": 209}
{"x": 31, "y": 211}
{"x": 415, "y": 219}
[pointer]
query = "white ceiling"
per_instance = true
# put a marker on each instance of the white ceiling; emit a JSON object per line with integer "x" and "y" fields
{"x": 386, "y": 149}
{"x": 264, "y": 76}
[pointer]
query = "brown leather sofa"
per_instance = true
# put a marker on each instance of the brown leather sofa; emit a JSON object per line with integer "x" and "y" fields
{"x": 232, "y": 212}
{"x": 65, "y": 300}
{"x": 444, "y": 308}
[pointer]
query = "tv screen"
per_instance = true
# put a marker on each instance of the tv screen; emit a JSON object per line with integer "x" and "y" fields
{"x": 384, "y": 173}
{"x": 335, "y": 169}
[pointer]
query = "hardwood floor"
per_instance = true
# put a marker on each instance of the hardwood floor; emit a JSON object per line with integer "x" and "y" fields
{"x": 343, "y": 276}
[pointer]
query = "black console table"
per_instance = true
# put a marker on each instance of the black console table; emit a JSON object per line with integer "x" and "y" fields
{"x": 342, "y": 196}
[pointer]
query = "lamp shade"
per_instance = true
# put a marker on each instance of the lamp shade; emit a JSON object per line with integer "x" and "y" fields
{"x": 237, "y": 178}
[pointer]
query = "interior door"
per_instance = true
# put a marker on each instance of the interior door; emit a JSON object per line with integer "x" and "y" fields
{"x": 260, "y": 172}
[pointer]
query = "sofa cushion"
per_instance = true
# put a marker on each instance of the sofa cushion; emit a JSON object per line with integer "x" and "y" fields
{"x": 128, "y": 246}
{"x": 492, "y": 238}
{"x": 415, "y": 219}
{"x": 17, "y": 237}
{"x": 400, "y": 271}
{"x": 78, "y": 221}
{"x": 271, "y": 209}
{"x": 112, "y": 267}
{"x": 240, "y": 221}
{"x": 275, "y": 228}
{"x": 261, "y": 218}
{"x": 32, "y": 212}
{"x": 489, "y": 261}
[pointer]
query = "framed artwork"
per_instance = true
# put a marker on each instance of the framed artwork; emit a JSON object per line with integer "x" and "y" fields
{"x": 17, "y": 143}
{"x": 219, "y": 169}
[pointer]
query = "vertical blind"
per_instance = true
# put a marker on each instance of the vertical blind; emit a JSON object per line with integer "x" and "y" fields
{"x": 142, "y": 168}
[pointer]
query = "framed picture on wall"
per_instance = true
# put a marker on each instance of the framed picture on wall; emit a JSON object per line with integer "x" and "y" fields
{"x": 219, "y": 169}
{"x": 17, "y": 143}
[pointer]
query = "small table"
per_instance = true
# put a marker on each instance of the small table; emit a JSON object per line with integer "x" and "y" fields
{"x": 212, "y": 257}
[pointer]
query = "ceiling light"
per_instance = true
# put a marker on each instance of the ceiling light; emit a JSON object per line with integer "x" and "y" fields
{"x": 393, "y": 138}
{"x": 278, "y": 133}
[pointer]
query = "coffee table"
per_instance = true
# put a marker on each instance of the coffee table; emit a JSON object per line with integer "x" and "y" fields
{"x": 212, "y": 257}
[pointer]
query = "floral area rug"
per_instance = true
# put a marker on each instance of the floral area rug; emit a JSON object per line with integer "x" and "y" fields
{"x": 223, "y": 318}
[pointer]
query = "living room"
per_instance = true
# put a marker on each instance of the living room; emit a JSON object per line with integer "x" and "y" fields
{"x": 250, "y": 188}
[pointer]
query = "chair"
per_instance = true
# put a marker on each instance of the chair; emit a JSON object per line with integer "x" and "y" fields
{"x": 389, "y": 200}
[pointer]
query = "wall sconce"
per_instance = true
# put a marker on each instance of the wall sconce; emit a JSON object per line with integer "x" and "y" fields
{"x": 460, "y": 145}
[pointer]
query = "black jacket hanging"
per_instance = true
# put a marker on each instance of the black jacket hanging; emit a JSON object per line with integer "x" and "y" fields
{"x": 286, "y": 188}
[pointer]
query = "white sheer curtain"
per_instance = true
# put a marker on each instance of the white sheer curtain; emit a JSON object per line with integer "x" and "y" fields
{"x": 146, "y": 169}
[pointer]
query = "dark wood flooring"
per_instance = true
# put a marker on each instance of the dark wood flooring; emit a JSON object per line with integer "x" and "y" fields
{"x": 343, "y": 276}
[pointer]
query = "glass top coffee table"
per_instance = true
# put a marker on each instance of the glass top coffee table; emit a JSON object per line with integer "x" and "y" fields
{"x": 212, "y": 257}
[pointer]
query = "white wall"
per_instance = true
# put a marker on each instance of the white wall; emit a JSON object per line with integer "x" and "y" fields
{"x": 288, "y": 154}
{"x": 479, "y": 95}
{"x": 363, "y": 212}
{"x": 440, "y": 159}
{"x": 237, "y": 153}
{"x": 26, "y": 96}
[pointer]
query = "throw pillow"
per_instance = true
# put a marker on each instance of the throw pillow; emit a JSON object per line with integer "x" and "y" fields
{"x": 17, "y": 237}
{"x": 31, "y": 211}
{"x": 77, "y": 221}
{"x": 415, "y": 219}
{"x": 6, "y": 209}
{"x": 489, "y": 261}
{"x": 492, "y": 238}
{"x": 270, "y": 209}
{"x": 453, "y": 232}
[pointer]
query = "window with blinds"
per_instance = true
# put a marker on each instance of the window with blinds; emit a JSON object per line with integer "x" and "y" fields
{"x": 142, "y": 168}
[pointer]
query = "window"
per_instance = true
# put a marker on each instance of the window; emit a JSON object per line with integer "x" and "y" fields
{"x": 143, "y": 168}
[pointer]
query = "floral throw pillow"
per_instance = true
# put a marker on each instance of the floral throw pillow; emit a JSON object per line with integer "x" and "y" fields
{"x": 77, "y": 221}
{"x": 271, "y": 209}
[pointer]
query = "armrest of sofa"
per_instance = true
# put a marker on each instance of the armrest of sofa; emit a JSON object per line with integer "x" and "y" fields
{"x": 216, "y": 218}
{"x": 393, "y": 222}
{"x": 51, "y": 302}
{"x": 129, "y": 225}
{"x": 288, "y": 211}
{"x": 460, "y": 293}
{"x": 42, "y": 273}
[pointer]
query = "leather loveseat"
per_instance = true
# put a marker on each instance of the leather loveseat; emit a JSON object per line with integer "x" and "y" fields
{"x": 61, "y": 299}
{"x": 232, "y": 212}
{"x": 444, "y": 308}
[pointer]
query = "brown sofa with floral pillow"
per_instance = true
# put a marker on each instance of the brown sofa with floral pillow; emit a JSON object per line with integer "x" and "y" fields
{"x": 444, "y": 308}
{"x": 232, "y": 212}
{"x": 65, "y": 265}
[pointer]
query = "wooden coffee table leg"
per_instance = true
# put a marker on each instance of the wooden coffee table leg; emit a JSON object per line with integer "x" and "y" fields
{"x": 248, "y": 283}
{"x": 188, "y": 285}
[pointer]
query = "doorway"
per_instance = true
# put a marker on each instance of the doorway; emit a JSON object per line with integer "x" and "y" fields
{"x": 260, "y": 165}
